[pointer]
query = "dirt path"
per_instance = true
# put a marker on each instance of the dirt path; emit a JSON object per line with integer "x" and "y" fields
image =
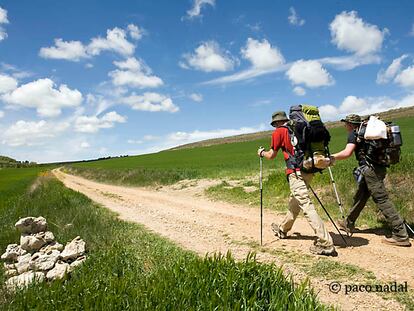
{"x": 201, "y": 225}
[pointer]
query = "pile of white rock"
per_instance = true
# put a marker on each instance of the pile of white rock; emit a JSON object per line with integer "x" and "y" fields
{"x": 39, "y": 256}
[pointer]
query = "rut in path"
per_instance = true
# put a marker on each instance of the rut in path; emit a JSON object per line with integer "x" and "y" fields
{"x": 198, "y": 224}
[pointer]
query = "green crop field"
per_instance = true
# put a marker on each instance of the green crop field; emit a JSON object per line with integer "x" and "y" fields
{"x": 129, "y": 268}
{"x": 238, "y": 160}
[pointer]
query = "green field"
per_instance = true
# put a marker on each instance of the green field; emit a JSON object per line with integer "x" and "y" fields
{"x": 129, "y": 268}
{"x": 239, "y": 160}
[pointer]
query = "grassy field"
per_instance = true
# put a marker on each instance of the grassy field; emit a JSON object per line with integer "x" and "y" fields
{"x": 238, "y": 160}
{"x": 129, "y": 268}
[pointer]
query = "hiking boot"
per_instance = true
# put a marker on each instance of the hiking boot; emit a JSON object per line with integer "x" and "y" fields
{"x": 278, "y": 232}
{"x": 397, "y": 242}
{"x": 345, "y": 226}
{"x": 323, "y": 250}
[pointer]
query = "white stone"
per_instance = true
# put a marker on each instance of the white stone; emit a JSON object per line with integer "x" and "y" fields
{"x": 74, "y": 249}
{"x": 13, "y": 251}
{"x": 31, "y": 225}
{"x": 58, "y": 272}
{"x": 49, "y": 237}
{"x": 24, "y": 279}
{"x": 50, "y": 247}
{"x": 22, "y": 264}
{"x": 44, "y": 261}
{"x": 32, "y": 243}
{"x": 79, "y": 261}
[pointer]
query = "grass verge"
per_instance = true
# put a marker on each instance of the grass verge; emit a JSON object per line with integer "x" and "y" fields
{"x": 129, "y": 268}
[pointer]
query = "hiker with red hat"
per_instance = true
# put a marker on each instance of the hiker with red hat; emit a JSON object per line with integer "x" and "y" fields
{"x": 298, "y": 183}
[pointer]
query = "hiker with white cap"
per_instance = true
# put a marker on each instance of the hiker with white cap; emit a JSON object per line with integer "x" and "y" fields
{"x": 370, "y": 175}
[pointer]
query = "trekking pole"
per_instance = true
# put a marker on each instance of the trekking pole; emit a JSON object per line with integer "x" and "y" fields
{"x": 261, "y": 200}
{"x": 411, "y": 229}
{"x": 329, "y": 216}
{"x": 338, "y": 200}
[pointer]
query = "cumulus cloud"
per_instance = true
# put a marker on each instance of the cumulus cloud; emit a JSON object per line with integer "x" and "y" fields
{"x": 385, "y": 76}
{"x": 152, "y": 102}
{"x": 198, "y": 5}
{"x": 7, "y": 83}
{"x": 349, "y": 32}
{"x": 135, "y": 32}
{"x": 1, "y": 114}
{"x": 43, "y": 95}
{"x": 134, "y": 73}
{"x": 67, "y": 50}
{"x": 196, "y": 97}
{"x": 28, "y": 133}
{"x": 208, "y": 57}
{"x": 3, "y": 20}
{"x": 309, "y": 73}
{"x": 294, "y": 18}
{"x": 264, "y": 59}
{"x": 364, "y": 106}
{"x": 406, "y": 77}
{"x": 262, "y": 55}
{"x": 116, "y": 41}
{"x": 92, "y": 124}
{"x": 300, "y": 91}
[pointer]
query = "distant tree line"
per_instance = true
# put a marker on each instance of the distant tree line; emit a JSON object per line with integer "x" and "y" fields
{"x": 9, "y": 162}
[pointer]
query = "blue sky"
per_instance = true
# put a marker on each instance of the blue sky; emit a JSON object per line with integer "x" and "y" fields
{"x": 85, "y": 79}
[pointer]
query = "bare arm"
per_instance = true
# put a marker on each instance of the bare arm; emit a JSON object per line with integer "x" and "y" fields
{"x": 271, "y": 154}
{"x": 346, "y": 153}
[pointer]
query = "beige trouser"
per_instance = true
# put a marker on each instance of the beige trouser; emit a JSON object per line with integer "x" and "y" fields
{"x": 299, "y": 200}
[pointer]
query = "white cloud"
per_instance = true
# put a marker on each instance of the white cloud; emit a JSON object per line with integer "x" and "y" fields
{"x": 85, "y": 145}
{"x": 115, "y": 41}
{"x": 180, "y": 138}
{"x": 262, "y": 55}
{"x": 134, "y": 142}
{"x": 152, "y": 102}
{"x": 1, "y": 114}
{"x": 406, "y": 77}
{"x": 300, "y": 91}
{"x": 134, "y": 73}
{"x": 43, "y": 95}
{"x": 364, "y": 106}
{"x": 7, "y": 84}
{"x": 264, "y": 59}
{"x": 385, "y": 76}
{"x": 24, "y": 133}
{"x": 310, "y": 73}
{"x": 349, "y": 32}
{"x": 67, "y": 50}
{"x": 208, "y": 57}
{"x": 294, "y": 18}
{"x": 196, "y": 97}
{"x": 349, "y": 62}
{"x": 3, "y": 20}
{"x": 3, "y": 16}
{"x": 135, "y": 32}
{"x": 195, "y": 11}
{"x": 93, "y": 124}
{"x": 89, "y": 65}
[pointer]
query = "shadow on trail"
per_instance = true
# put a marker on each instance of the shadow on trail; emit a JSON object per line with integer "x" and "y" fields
{"x": 353, "y": 241}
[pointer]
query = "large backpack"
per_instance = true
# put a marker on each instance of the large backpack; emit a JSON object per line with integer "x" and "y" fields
{"x": 383, "y": 151}
{"x": 309, "y": 136}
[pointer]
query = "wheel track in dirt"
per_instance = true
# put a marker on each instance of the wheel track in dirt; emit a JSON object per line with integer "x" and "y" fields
{"x": 204, "y": 226}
